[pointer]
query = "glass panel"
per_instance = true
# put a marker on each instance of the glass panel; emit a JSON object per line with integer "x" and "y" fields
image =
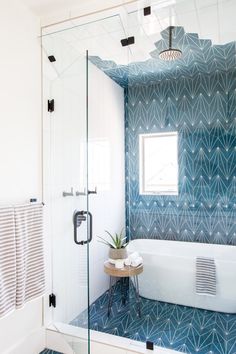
{"x": 73, "y": 139}
{"x": 65, "y": 179}
{"x": 106, "y": 162}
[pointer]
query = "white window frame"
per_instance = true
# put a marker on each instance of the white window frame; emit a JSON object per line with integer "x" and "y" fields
{"x": 142, "y": 191}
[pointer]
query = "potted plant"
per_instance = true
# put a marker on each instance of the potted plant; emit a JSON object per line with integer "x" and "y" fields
{"x": 117, "y": 244}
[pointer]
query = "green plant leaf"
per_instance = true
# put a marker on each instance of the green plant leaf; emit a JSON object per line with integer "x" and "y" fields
{"x": 113, "y": 239}
{"x": 103, "y": 240}
{"x": 117, "y": 240}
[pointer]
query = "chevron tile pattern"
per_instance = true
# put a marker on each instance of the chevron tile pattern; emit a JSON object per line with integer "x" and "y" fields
{"x": 203, "y": 111}
{"x": 199, "y": 56}
{"x": 196, "y": 96}
{"x": 180, "y": 328}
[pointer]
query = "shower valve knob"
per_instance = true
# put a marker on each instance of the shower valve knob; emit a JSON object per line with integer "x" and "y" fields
{"x": 93, "y": 192}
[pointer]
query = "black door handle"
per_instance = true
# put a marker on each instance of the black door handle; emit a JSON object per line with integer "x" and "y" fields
{"x": 78, "y": 218}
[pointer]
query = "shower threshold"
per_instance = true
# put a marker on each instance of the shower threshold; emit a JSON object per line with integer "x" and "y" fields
{"x": 61, "y": 332}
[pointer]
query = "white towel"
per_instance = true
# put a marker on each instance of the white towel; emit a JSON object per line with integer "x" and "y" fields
{"x": 119, "y": 263}
{"x": 30, "y": 272}
{"x": 7, "y": 261}
{"x": 134, "y": 256}
{"x": 136, "y": 262}
{"x": 205, "y": 276}
{"x": 128, "y": 261}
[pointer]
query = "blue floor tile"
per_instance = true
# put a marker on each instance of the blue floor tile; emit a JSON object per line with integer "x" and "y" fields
{"x": 180, "y": 328}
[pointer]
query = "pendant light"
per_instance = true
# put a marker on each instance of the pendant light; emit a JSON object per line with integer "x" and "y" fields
{"x": 170, "y": 54}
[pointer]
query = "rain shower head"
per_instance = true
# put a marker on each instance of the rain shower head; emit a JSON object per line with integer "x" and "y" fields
{"x": 170, "y": 53}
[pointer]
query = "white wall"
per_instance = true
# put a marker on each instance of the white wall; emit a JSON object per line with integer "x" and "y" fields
{"x": 20, "y": 138}
{"x": 106, "y": 127}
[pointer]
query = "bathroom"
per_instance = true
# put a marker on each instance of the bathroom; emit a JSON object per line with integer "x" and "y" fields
{"x": 111, "y": 85}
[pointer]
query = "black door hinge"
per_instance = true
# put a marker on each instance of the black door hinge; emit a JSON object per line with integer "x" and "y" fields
{"x": 127, "y": 41}
{"x": 147, "y": 11}
{"x": 51, "y": 105}
{"x": 52, "y": 300}
{"x": 51, "y": 58}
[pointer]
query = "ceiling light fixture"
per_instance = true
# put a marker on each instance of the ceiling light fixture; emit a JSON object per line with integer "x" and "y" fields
{"x": 170, "y": 53}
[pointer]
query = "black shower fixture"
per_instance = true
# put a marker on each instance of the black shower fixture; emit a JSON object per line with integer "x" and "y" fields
{"x": 147, "y": 11}
{"x": 127, "y": 41}
{"x": 51, "y": 58}
{"x": 170, "y": 53}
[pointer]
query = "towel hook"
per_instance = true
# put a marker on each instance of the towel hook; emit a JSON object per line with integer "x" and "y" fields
{"x": 77, "y": 193}
{"x": 68, "y": 194}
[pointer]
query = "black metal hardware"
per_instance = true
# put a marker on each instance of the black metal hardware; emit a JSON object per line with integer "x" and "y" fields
{"x": 147, "y": 11}
{"x": 93, "y": 192}
{"x": 33, "y": 200}
{"x": 170, "y": 36}
{"x": 52, "y": 300}
{"x": 124, "y": 42}
{"x": 51, "y": 58}
{"x": 149, "y": 345}
{"x": 131, "y": 40}
{"x": 78, "y": 217}
{"x": 124, "y": 284}
{"x": 127, "y": 41}
{"x": 51, "y": 105}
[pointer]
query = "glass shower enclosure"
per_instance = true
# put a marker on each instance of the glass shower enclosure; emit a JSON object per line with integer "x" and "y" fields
{"x": 84, "y": 187}
{"x": 69, "y": 222}
{"x": 104, "y": 87}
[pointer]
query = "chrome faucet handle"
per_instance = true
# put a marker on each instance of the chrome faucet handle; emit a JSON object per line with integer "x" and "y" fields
{"x": 68, "y": 194}
{"x": 77, "y": 193}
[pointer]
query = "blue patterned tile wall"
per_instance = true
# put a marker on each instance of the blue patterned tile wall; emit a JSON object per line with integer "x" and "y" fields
{"x": 195, "y": 96}
{"x": 203, "y": 111}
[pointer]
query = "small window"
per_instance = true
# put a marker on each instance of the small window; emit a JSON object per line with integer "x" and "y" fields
{"x": 158, "y": 163}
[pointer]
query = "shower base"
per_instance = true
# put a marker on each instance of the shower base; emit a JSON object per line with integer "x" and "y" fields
{"x": 180, "y": 328}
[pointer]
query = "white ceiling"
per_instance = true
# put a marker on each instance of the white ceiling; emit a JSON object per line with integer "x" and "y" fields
{"x": 210, "y": 19}
{"x": 50, "y": 7}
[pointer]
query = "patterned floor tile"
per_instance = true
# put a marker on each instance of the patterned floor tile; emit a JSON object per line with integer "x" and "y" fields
{"x": 181, "y": 328}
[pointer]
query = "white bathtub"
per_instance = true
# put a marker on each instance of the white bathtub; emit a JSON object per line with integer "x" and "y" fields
{"x": 169, "y": 273}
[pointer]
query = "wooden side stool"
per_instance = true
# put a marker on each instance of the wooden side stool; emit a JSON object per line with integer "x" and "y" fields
{"x": 126, "y": 272}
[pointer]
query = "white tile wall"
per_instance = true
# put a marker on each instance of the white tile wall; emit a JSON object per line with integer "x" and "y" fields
{"x": 106, "y": 123}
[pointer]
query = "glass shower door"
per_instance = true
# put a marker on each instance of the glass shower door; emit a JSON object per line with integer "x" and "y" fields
{"x": 84, "y": 167}
{"x": 69, "y": 222}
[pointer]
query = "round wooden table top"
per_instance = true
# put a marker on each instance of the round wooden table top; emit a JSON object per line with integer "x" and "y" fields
{"x": 127, "y": 271}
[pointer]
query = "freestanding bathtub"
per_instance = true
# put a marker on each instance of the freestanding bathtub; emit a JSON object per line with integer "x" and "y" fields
{"x": 169, "y": 273}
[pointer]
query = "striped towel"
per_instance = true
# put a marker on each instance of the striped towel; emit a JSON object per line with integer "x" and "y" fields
{"x": 7, "y": 261}
{"x": 205, "y": 276}
{"x": 30, "y": 272}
